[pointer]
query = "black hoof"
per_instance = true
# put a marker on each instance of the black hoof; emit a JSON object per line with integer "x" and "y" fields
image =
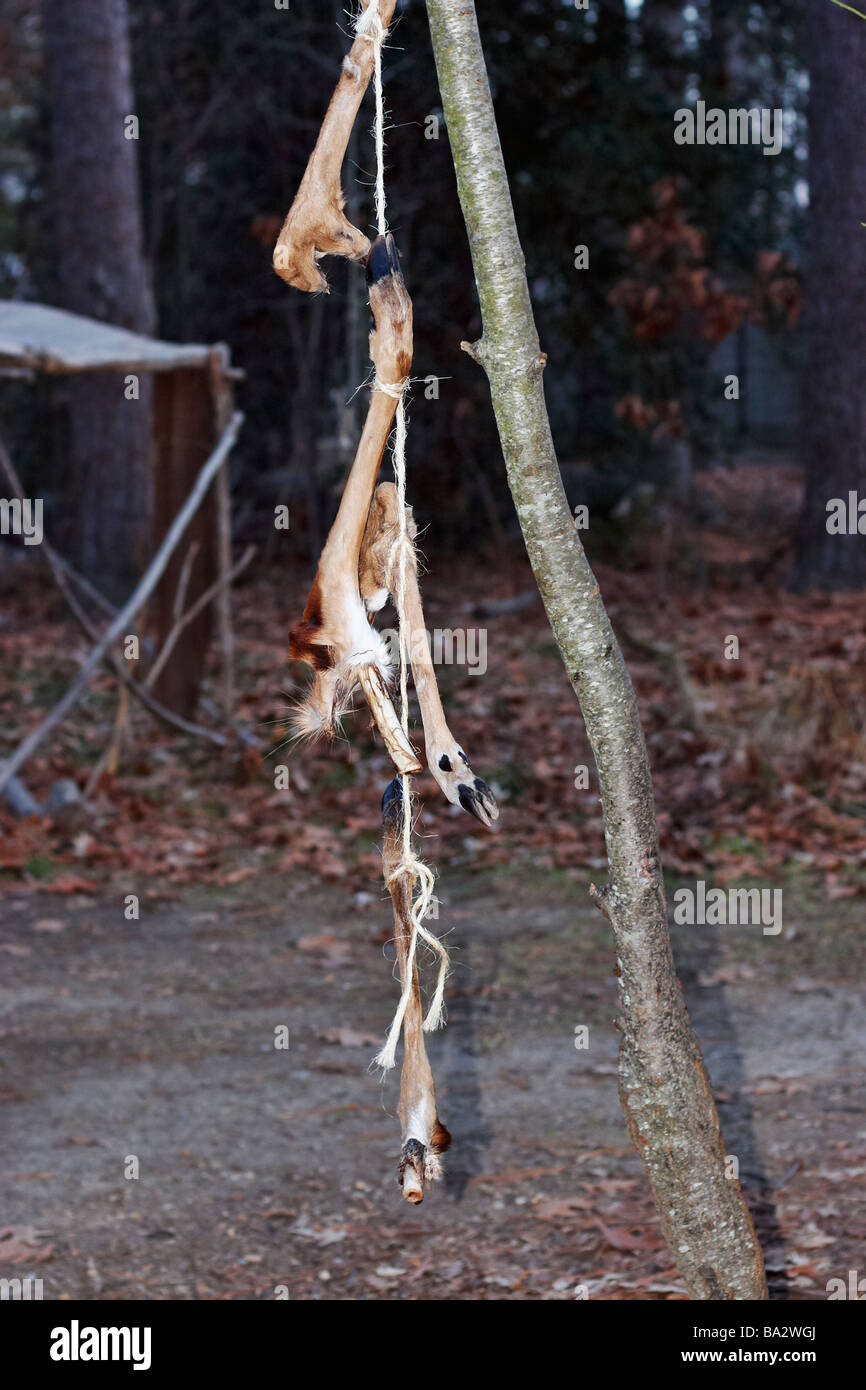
{"x": 383, "y": 259}
{"x": 392, "y": 803}
{"x": 479, "y": 801}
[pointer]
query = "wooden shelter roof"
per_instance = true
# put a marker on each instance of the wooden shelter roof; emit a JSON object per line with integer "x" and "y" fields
{"x": 51, "y": 340}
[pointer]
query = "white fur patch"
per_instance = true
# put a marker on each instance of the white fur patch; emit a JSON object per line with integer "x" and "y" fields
{"x": 375, "y": 602}
{"x": 368, "y": 647}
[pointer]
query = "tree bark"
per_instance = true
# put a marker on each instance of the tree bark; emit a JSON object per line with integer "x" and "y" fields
{"x": 835, "y": 294}
{"x": 664, "y": 1087}
{"x": 102, "y": 274}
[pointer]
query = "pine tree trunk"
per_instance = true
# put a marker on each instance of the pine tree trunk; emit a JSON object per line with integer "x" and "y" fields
{"x": 102, "y": 274}
{"x": 664, "y": 1087}
{"x": 835, "y": 319}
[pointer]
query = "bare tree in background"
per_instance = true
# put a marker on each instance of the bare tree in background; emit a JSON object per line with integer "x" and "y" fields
{"x": 102, "y": 274}
{"x": 835, "y": 416}
{"x": 664, "y": 1087}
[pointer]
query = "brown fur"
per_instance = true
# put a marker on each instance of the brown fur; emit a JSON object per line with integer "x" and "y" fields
{"x": 440, "y": 1141}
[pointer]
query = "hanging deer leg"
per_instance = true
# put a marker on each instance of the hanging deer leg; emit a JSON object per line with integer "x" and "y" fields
{"x": 334, "y": 635}
{"x": 424, "y": 1136}
{"x": 378, "y": 576}
{"x": 315, "y": 224}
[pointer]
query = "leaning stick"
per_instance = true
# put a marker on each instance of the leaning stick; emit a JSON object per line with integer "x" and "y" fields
{"x": 65, "y": 575}
{"x": 424, "y": 1136}
{"x": 19, "y": 800}
{"x": 183, "y": 582}
{"x": 116, "y": 663}
{"x": 211, "y": 592}
{"x": 142, "y": 592}
{"x": 72, "y": 574}
{"x": 222, "y": 395}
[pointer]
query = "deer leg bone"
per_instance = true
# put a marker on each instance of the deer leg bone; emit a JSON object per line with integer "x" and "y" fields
{"x": 334, "y": 635}
{"x": 315, "y": 225}
{"x": 377, "y": 576}
{"x": 424, "y": 1136}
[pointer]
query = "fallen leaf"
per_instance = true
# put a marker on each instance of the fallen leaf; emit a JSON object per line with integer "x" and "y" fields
{"x": 20, "y": 1245}
{"x": 621, "y": 1239}
{"x": 349, "y": 1037}
{"x": 725, "y": 975}
{"x": 328, "y": 945}
{"x": 561, "y": 1208}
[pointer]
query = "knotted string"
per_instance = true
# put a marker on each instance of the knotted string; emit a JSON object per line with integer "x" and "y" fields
{"x": 369, "y": 25}
{"x": 402, "y": 553}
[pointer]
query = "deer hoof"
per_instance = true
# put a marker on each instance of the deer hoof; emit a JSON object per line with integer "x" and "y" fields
{"x": 479, "y": 801}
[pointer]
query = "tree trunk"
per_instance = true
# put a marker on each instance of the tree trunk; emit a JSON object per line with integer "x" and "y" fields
{"x": 835, "y": 320}
{"x": 664, "y": 1087}
{"x": 102, "y": 274}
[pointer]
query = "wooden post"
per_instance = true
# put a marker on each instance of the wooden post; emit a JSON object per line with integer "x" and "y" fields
{"x": 184, "y": 435}
{"x": 223, "y": 408}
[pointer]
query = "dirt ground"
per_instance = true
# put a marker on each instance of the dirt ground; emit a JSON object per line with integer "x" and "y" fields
{"x": 267, "y": 1172}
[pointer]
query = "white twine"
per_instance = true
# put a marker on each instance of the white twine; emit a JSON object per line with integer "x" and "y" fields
{"x": 369, "y": 25}
{"x": 393, "y": 389}
{"x": 403, "y": 553}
